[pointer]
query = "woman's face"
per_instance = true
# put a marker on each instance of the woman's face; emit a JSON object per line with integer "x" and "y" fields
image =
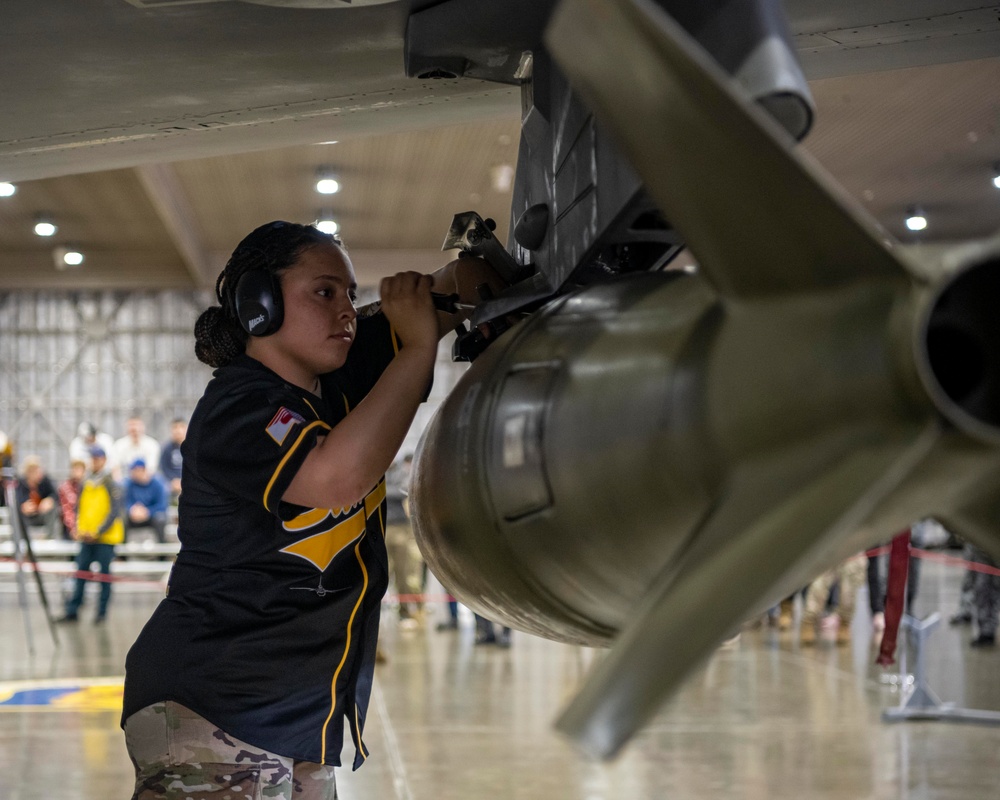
{"x": 318, "y": 291}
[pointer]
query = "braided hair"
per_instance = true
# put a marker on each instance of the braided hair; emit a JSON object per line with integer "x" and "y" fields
{"x": 219, "y": 337}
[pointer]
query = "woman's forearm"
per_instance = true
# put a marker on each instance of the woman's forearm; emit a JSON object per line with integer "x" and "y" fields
{"x": 355, "y": 454}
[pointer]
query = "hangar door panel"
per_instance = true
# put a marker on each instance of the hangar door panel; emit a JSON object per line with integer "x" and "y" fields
{"x": 95, "y": 356}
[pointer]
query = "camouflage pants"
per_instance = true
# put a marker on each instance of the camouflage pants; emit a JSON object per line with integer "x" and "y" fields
{"x": 405, "y": 561}
{"x": 851, "y": 575}
{"x": 179, "y": 755}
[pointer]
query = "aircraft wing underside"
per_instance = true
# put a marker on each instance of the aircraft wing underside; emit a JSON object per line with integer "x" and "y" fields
{"x": 120, "y": 82}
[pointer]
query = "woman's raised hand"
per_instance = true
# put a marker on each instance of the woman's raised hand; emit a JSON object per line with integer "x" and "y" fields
{"x": 406, "y": 301}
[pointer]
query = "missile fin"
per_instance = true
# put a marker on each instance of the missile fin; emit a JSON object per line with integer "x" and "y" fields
{"x": 731, "y": 574}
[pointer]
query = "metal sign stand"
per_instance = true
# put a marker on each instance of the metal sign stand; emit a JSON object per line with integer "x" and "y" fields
{"x": 921, "y": 702}
{"x": 22, "y": 549}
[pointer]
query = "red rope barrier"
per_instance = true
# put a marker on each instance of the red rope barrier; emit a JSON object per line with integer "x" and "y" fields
{"x": 941, "y": 558}
{"x": 915, "y": 552}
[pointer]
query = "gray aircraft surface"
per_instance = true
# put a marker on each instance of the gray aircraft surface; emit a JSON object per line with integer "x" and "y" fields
{"x": 638, "y": 457}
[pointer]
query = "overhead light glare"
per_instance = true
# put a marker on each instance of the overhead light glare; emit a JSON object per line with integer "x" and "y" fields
{"x": 915, "y": 220}
{"x": 326, "y": 182}
{"x": 327, "y": 186}
{"x": 996, "y": 174}
{"x": 7, "y": 189}
{"x": 327, "y": 226}
{"x": 44, "y": 226}
{"x": 67, "y": 256}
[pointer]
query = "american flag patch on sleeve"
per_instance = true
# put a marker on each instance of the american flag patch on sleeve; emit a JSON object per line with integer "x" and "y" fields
{"x": 282, "y": 423}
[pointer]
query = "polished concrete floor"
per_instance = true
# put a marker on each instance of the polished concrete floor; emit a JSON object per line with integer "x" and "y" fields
{"x": 764, "y": 718}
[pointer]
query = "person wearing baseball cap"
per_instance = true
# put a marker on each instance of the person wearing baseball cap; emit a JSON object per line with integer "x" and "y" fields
{"x": 98, "y": 529}
{"x": 145, "y": 501}
{"x": 88, "y": 436}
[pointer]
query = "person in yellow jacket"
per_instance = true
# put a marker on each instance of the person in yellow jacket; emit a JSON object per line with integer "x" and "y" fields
{"x": 99, "y": 528}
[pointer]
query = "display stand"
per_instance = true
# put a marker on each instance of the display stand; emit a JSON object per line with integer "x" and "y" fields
{"x": 921, "y": 702}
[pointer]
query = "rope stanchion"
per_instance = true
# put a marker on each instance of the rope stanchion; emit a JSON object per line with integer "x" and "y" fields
{"x": 920, "y": 702}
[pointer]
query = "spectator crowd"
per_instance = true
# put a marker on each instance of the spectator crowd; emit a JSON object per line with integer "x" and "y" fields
{"x": 114, "y": 488}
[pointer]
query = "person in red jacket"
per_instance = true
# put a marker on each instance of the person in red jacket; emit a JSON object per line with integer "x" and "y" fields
{"x": 69, "y": 495}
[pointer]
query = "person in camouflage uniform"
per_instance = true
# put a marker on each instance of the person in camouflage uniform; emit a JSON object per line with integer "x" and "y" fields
{"x": 850, "y": 576}
{"x": 178, "y": 755}
{"x": 243, "y": 681}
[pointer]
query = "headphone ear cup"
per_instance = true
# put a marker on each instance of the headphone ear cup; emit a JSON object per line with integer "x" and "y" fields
{"x": 259, "y": 305}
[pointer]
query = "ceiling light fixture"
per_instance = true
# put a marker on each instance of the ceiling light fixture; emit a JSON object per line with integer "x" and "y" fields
{"x": 325, "y": 182}
{"x": 44, "y": 226}
{"x": 326, "y": 223}
{"x": 67, "y": 256}
{"x": 915, "y": 219}
{"x": 72, "y": 258}
{"x": 996, "y": 174}
{"x": 7, "y": 189}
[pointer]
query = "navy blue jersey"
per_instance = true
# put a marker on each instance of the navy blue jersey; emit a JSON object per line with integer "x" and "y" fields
{"x": 271, "y": 619}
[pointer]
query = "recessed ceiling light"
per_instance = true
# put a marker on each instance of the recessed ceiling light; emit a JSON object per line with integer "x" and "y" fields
{"x": 67, "y": 256}
{"x": 326, "y": 183}
{"x": 44, "y": 226}
{"x": 996, "y": 174}
{"x": 327, "y": 225}
{"x": 327, "y": 186}
{"x": 7, "y": 189}
{"x": 73, "y": 258}
{"x": 915, "y": 219}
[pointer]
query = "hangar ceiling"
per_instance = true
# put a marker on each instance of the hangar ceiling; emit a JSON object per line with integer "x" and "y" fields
{"x": 922, "y": 136}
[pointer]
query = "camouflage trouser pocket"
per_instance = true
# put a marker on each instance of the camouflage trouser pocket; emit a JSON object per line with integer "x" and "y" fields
{"x": 202, "y": 781}
{"x": 179, "y": 755}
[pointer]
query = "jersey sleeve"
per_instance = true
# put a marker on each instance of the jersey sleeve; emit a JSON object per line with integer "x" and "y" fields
{"x": 375, "y": 345}
{"x": 253, "y": 444}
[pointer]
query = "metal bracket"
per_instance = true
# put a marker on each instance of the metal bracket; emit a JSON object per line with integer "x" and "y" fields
{"x": 921, "y": 702}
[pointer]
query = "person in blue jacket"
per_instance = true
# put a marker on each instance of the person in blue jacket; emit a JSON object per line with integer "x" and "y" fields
{"x": 145, "y": 501}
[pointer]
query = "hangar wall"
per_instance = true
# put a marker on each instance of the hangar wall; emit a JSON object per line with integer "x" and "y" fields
{"x": 101, "y": 356}
{"x": 95, "y": 356}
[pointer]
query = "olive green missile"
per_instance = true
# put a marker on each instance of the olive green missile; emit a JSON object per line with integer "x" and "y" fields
{"x": 646, "y": 463}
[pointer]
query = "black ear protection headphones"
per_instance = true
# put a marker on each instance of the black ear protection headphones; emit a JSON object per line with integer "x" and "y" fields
{"x": 259, "y": 306}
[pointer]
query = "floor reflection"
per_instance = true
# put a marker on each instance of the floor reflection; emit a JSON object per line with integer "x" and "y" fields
{"x": 763, "y": 718}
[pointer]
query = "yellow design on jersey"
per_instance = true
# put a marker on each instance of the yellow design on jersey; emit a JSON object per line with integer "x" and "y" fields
{"x": 314, "y": 516}
{"x": 375, "y": 498}
{"x": 347, "y": 648}
{"x": 322, "y": 547}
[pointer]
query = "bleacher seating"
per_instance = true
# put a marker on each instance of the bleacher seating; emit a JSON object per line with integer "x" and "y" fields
{"x": 139, "y": 556}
